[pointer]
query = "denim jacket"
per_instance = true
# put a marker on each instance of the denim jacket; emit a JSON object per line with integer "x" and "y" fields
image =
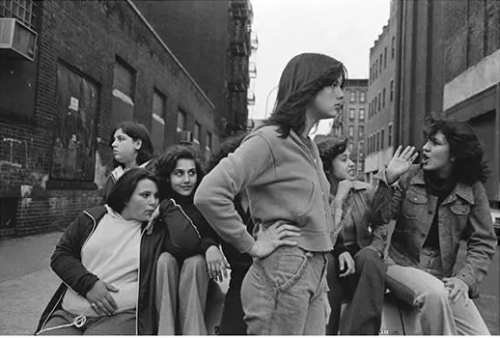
{"x": 369, "y": 230}
{"x": 463, "y": 215}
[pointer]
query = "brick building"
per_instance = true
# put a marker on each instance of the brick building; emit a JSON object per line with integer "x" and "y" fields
{"x": 449, "y": 54}
{"x": 213, "y": 40}
{"x": 379, "y": 122}
{"x": 351, "y": 123}
{"x": 95, "y": 63}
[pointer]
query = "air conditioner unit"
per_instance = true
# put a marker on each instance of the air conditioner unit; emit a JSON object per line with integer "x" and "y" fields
{"x": 185, "y": 137}
{"x": 17, "y": 39}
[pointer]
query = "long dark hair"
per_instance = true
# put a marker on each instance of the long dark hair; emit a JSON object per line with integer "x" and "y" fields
{"x": 303, "y": 77}
{"x": 125, "y": 186}
{"x": 329, "y": 148}
{"x": 167, "y": 162}
{"x": 136, "y": 131}
{"x": 228, "y": 145}
{"x": 468, "y": 166}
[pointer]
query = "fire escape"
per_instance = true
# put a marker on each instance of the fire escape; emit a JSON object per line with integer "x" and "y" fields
{"x": 240, "y": 48}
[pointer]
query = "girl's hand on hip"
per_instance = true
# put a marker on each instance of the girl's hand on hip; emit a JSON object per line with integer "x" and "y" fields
{"x": 216, "y": 264}
{"x": 346, "y": 264}
{"x": 272, "y": 238}
{"x": 400, "y": 163}
{"x": 100, "y": 298}
{"x": 457, "y": 288}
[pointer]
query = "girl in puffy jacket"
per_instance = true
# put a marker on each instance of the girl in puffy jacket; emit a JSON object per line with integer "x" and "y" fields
{"x": 193, "y": 256}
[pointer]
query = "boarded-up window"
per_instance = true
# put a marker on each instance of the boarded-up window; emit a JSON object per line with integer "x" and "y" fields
{"x": 158, "y": 120}
{"x": 75, "y": 124}
{"x": 123, "y": 92}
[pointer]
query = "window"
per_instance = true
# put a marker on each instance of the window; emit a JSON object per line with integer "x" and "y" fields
{"x": 380, "y": 63}
{"x": 369, "y": 111}
{"x": 158, "y": 120}
{"x": 379, "y": 100}
{"x": 23, "y": 10}
{"x": 383, "y": 98}
{"x": 75, "y": 126}
{"x": 393, "y": 47}
{"x": 351, "y": 114}
{"x": 362, "y": 97}
{"x": 122, "y": 106}
{"x": 389, "y": 136}
{"x": 361, "y": 150}
{"x": 351, "y": 131}
{"x": 378, "y": 141}
{"x": 361, "y": 131}
{"x": 350, "y": 145}
{"x": 392, "y": 90}
{"x": 382, "y": 138}
{"x": 197, "y": 132}
{"x": 361, "y": 114}
{"x": 181, "y": 121}
{"x": 353, "y": 96}
{"x": 385, "y": 57}
{"x": 208, "y": 142}
{"x": 375, "y": 106}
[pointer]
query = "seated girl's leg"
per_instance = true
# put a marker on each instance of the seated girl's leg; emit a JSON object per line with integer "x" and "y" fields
{"x": 60, "y": 318}
{"x": 468, "y": 320}
{"x": 364, "y": 313}
{"x": 167, "y": 281}
{"x": 123, "y": 324}
{"x": 421, "y": 289}
{"x": 193, "y": 289}
{"x": 335, "y": 295}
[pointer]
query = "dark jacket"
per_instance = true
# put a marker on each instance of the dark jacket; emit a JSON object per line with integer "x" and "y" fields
{"x": 464, "y": 214}
{"x": 66, "y": 263}
{"x": 188, "y": 231}
{"x": 370, "y": 231}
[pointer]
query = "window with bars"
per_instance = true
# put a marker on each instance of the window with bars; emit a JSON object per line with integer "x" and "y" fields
{"x": 22, "y": 10}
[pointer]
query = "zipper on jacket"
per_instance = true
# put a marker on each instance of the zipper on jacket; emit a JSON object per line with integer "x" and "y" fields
{"x": 189, "y": 219}
{"x": 138, "y": 286}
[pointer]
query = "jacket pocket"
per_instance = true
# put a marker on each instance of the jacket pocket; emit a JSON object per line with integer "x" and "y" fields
{"x": 414, "y": 204}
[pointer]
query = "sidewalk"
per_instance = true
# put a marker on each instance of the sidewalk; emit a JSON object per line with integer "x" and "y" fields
{"x": 26, "y": 281}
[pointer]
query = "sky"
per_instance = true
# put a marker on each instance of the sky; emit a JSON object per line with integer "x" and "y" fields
{"x": 343, "y": 29}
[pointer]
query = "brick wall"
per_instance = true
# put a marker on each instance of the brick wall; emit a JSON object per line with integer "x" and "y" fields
{"x": 85, "y": 36}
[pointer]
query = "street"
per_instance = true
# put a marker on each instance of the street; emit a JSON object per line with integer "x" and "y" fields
{"x": 27, "y": 283}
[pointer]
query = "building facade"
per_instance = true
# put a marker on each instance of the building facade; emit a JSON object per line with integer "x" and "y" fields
{"x": 450, "y": 66}
{"x": 351, "y": 123}
{"x": 72, "y": 72}
{"x": 381, "y": 99}
{"x": 213, "y": 40}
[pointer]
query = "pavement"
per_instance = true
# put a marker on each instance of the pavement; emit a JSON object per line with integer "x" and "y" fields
{"x": 27, "y": 283}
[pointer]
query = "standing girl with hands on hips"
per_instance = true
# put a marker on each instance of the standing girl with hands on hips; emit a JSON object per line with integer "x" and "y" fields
{"x": 284, "y": 291}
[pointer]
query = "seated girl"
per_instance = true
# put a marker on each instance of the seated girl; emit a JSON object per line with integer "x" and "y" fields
{"x": 193, "y": 256}
{"x": 355, "y": 267}
{"x": 106, "y": 259}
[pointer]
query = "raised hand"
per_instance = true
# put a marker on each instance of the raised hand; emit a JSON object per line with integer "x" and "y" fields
{"x": 100, "y": 298}
{"x": 273, "y": 237}
{"x": 400, "y": 163}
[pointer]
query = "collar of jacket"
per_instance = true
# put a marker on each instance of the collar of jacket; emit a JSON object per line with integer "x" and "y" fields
{"x": 461, "y": 189}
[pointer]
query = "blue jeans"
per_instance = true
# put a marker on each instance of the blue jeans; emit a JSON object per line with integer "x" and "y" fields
{"x": 285, "y": 293}
{"x": 423, "y": 288}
